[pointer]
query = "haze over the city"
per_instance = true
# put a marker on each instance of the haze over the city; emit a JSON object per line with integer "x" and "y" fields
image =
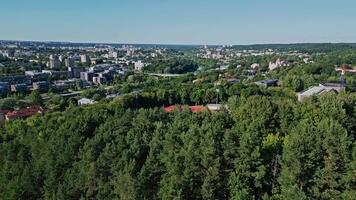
{"x": 179, "y": 22}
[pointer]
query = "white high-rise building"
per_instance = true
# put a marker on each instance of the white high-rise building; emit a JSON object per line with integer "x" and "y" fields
{"x": 115, "y": 54}
{"x": 69, "y": 62}
{"x": 61, "y": 58}
{"x": 130, "y": 52}
{"x": 84, "y": 59}
{"x": 54, "y": 62}
{"x": 139, "y": 65}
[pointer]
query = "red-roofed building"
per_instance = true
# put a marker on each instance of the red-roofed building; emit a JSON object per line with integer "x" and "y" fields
{"x": 196, "y": 109}
{"x": 23, "y": 113}
{"x": 169, "y": 109}
{"x": 193, "y": 109}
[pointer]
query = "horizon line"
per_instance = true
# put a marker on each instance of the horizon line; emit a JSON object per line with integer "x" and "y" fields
{"x": 171, "y": 44}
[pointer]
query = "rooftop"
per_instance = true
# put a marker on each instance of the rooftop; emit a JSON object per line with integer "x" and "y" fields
{"x": 193, "y": 109}
{"x": 25, "y": 112}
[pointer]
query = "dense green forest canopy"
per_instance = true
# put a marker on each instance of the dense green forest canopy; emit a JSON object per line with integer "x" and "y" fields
{"x": 265, "y": 147}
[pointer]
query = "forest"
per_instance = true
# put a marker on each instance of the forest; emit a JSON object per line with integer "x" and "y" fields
{"x": 262, "y": 147}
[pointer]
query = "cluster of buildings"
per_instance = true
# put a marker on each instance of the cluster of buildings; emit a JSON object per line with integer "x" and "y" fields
{"x": 32, "y": 80}
{"x": 60, "y": 80}
{"x": 100, "y": 74}
{"x": 56, "y": 61}
{"x": 279, "y": 63}
{"x": 106, "y": 62}
{"x": 9, "y": 53}
{"x": 271, "y": 65}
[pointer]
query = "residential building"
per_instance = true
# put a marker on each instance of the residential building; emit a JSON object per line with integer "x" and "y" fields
{"x": 24, "y": 113}
{"x": 267, "y": 83}
{"x": 21, "y": 87}
{"x": 69, "y": 62}
{"x": 61, "y": 58}
{"x": 99, "y": 80}
{"x": 15, "y": 79}
{"x": 10, "y": 53}
{"x": 64, "y": 84}
{"x": 139, "y": 65}
{"x": 41, "y": 86}
{"x": 54, "y": 62}
{"x": 130, "y": 52}
{"x": 255, "y": 66}
{"x": 193, "y": 109}
{"x": 113, "y": 54}
{"x": 85, "y": 101}
{"x": 36, "y": 74}
{"x": 87, "y": 76}
{"x": 214, "y": 107}
{"x": 321, "y": 88}
{"x": 74, "y": 72}
{"x": 84, "y": 59}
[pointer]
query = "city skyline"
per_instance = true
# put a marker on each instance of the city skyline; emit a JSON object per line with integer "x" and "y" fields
{"x": 183, "y": 22}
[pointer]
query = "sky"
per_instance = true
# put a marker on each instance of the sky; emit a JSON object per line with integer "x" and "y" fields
{"x": 179, "y": 21}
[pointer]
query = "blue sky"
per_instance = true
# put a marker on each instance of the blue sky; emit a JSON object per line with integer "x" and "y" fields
{"x": 179, "y": 21}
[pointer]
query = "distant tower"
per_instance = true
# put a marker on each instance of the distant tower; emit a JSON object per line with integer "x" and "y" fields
{"x": 84, "y": 59}
{"x": 69, "y": 62}
{"x": 54, "y": 62}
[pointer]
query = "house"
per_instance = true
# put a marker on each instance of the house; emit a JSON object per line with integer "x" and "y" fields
{"x": 214, "y": 107}
{"x": 267, "y": 83}
{"x": 169, "y": 109}
{"x": 85, "y": 101}
{"x": 255, "y": 66}
{"x": 321, "y": 88}
{"x": 197, "y": 109}
{"x": 24, "y": 113}
{"x": 193, "y": 109}
{"x": 199, "y": 80}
